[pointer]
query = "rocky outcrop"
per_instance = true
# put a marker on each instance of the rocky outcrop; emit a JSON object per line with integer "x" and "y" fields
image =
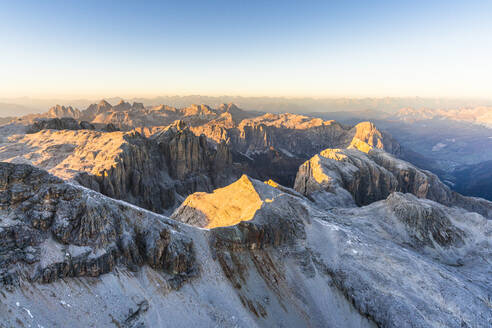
{"x": 246, "y": 132}
{"x": 60, "y": 124}
{"x": 208, "y": 211}
{"x": 276, "y": 144}
{"x": 426, "y": 224}
{"x": 187, "y": 154}
{"x": 259, "y": 253}
{"x": 248, "y": 214}
{"x": 157, "y": 173}
{"x": 92, "y": 110}
{"x": 53, "y": 230}
{"x": 62, "y": 111}
{"x": 296, "y": 135}
{"x": 127, "y": 116}
{"x": 372, "y": 176}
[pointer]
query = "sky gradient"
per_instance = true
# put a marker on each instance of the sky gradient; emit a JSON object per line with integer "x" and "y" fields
{"x": 250, "y": 48}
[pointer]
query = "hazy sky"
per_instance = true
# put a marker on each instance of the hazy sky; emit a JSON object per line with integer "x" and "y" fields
{"x": 279, "y": 48}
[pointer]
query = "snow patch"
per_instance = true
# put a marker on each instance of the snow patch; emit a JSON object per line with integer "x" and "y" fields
{"x": 438, "y": 146}
{"x": 62, "y": 302}
{"x": 28, "y": 312}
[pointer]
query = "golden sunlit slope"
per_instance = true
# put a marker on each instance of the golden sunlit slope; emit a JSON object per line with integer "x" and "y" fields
{"x": 246, "y": 199}
{"x": 65, "y": 153}
{"x": 223, "y": 207}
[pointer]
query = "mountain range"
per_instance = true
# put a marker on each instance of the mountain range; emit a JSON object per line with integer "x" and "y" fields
{"x": 160, "y": 216}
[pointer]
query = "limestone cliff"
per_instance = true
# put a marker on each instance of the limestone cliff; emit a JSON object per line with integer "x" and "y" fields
{"x": 155, "y": 173}
{"x": 371, "y": 176}
{"x": 277, "y": 144}
{"x": 62, "y": 111}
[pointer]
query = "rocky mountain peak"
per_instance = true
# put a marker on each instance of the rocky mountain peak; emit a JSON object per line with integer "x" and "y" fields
{"x": 207, "y": 210}
{"x": 69, "y": 231}
{"x": 199, "y": 110}
{"x": 238, "y": 202}
{"x": 342, "y": 177}
{"x": 366, "y": 136}
{"x": 104, "y": 104}
{"x": 59, "y": 111}
{"x": 230, "y": 108}
{"x": 122, "y": 106}
{"x": 171, "y": 130}
{"x": 138, "y": 106}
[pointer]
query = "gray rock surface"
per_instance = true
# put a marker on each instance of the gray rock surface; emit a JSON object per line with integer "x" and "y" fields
{"x": 52, "y": 230}
{"x": 157, "y": 173}
{"x": 64, "y": 123}
{"x": 372, "y": 176}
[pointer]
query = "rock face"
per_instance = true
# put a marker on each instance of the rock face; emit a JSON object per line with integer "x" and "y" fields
{"x": 158, "y": 173}
{"x": 372, "y": 176}
{"x": 62, "y": 111}
{"x": 209, "y": 148}
{"x": 208, "y": 210}
{"x": 60, "y": 124}
{"x": 154, "y": 173}
{"x": 53, "y": 230}
{"x": 276, "y": 144}
{"x": 295, "y": 135}
{"x": 364, "y": 239}
{"x": 187, "y": 154}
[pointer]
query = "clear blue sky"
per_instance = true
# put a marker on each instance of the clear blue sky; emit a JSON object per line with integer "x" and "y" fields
{"x": 290, "y": 48}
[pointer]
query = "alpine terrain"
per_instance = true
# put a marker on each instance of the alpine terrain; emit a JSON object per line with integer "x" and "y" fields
{"x": 154, "y": 216}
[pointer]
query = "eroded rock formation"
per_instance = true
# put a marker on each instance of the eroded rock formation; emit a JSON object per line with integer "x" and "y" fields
{"x": 64, "y": 123}
{"x": 155, "y": 173}
{"x": 369, "y": 176}
{"x": 61, "y": 230}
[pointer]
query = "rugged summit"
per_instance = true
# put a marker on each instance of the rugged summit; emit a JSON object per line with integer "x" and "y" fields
{"x": 208, "y": 211}
{"x": 276, "y": 144}
{"x": 62, "y": 111}
{"x": 293, "y": 134}
{"x": 334, "y": 174}
{"x": 65, "y": 123}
